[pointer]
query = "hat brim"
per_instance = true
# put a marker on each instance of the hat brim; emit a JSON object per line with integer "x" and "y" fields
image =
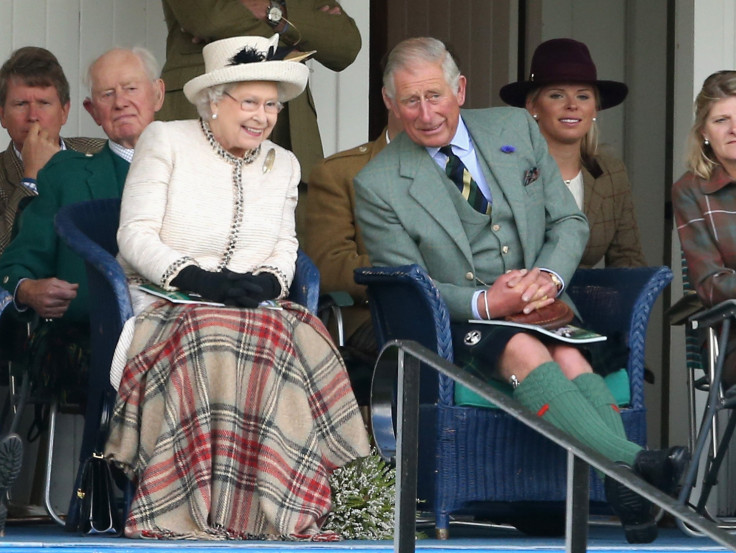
{"x": 611, "y": 93}
{"x": 290, "y": 76}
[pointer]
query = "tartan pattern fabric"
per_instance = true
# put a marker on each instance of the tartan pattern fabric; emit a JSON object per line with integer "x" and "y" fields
{"x": 231, "y": 420}
{"x": 460, "y": 175}
{"x": 705, "y": 215}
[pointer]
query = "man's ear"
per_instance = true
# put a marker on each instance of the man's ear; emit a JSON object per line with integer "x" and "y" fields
{"x": 90, "y": 107}
{"x": 160, "y": 92}
{"x": 389, "y": 103}
{"x": 461, "y": 82}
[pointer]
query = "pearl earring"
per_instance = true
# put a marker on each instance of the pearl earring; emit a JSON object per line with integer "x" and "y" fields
{"x": 535, "y": 116}
{"x": 214, "y": 116}
{"x": 706, "y": 142}
{"x": 595, "y": 119}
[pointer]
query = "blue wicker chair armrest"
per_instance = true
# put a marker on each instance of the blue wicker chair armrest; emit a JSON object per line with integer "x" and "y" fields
{"x": 305, "y": 286}
{"x": 93, "y": 253}
{"x": 621, "y": 300}
{"x": 406, "y": 305}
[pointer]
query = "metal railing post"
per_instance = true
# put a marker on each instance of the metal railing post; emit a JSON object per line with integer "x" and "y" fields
{"x": 576, "y": 504}
{"x": 406, "y": 453}
{"x": 411, "y": 354}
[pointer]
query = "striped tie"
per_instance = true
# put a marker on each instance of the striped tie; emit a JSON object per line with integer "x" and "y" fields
{"x": 460, "y": 175}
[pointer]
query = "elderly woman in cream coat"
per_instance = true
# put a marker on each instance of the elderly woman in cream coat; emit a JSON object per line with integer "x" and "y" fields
{"x": 230, "y": 418}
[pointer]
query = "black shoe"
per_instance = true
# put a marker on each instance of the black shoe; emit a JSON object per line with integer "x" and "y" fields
{"x": 633, "y": 510}
{"x": 11, "y": 459}
{"x": 663, "y": 468}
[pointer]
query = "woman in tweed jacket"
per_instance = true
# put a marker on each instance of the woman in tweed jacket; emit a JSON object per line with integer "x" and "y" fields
{"x": 230, "y": 418}
{"x": 564, "y": 95}
{"x": 704, "y": 199}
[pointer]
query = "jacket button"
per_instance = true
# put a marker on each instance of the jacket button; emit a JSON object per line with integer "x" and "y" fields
{"x": 496, "y": 227}
{"x": 469, "y": 276}
{"x": 505, "y": 249}
{"x": 6, "y": 279}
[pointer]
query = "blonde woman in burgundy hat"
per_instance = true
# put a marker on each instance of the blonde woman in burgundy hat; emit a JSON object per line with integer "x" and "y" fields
{"x": 564, "y": 95}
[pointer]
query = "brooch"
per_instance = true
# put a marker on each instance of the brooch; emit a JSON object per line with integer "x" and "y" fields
{"x": 268, "y": 163}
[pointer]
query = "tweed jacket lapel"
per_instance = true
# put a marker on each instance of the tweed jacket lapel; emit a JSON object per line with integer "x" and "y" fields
{"x": 429, "y": 191}
{"x": 592, "y": 198}
{"x": 501, "y": 168}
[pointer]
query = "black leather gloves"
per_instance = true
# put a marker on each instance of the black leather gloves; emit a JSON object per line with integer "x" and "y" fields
{"x": 228, "y": 287}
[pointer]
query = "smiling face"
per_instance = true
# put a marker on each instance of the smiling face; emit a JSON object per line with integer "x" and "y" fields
{"x": 237, "y": 129}
{"x": 426, "y": 105}
{"x": 123, "y": 97}
{"x": 720, "y": 130}
{"x": 564, "y": 112}
{"x": 25, "y": 105}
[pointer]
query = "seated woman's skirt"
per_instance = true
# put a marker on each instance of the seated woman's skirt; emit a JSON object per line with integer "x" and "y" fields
{"x": 230, "y": 421}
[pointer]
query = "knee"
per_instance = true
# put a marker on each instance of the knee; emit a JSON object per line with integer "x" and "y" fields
{"x": 570, "y": 360}
{"x": 522, "y": 355}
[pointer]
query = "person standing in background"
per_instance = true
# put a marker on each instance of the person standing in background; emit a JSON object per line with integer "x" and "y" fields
{"x": 333, "y": 239}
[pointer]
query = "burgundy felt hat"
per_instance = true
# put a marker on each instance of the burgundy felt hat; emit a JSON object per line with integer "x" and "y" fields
{"x": 563, "y": 60}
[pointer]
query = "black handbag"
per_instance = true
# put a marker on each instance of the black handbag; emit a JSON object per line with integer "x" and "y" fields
{"x": 98, "y": 512}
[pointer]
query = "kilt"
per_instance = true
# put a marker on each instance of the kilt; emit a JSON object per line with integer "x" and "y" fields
{"x": 230, "y": 422}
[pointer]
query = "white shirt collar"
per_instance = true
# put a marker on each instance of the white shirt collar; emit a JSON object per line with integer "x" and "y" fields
{"x": 62, "y": 146}
{"x": 122, "y": 151}
{"x": 461, "y": 140}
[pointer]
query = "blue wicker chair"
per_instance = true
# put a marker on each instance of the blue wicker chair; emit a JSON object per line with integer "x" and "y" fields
{"x": 480, "y": 460}
{"x": 90, "y": 228}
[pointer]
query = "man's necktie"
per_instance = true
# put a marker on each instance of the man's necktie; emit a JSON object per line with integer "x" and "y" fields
{"x": 460, "y": 175}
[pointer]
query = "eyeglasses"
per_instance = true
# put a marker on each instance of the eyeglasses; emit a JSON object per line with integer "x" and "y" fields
{"x": 250, "y": 105}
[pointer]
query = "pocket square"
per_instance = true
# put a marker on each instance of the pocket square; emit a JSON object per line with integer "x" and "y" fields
{"x": 530, "y": 176}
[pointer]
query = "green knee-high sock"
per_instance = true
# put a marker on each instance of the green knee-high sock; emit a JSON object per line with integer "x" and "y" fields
{"x": 548, "y": 393}
{"x": 594, "y": 388}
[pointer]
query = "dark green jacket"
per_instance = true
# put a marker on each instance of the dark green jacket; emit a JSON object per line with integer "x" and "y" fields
{"x": 37, "y": 252}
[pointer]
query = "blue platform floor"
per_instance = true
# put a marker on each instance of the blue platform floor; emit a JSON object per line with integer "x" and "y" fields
{"x": 49, "y": 538}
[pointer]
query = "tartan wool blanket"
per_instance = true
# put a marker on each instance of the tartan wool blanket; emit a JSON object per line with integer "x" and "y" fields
{"x": 230, "y": 421}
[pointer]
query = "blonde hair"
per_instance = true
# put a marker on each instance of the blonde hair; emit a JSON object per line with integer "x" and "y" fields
{"x": 589, "y": 143}
{"x": 701, "y": 159}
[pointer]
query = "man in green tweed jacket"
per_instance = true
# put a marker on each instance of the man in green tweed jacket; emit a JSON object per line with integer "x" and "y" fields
{"x": 42, "y": 273}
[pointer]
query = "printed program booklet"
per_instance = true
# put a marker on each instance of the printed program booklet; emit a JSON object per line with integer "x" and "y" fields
{"x": 183, "y": 297}
{"x": 568, "y": 333}
{"x": 176, "y": 297}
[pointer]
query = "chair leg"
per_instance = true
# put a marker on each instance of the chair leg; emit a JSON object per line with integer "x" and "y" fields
{"x": 53, "y": 410}
{"x": 713, "y": 464}
{"x": 442, "y": 526}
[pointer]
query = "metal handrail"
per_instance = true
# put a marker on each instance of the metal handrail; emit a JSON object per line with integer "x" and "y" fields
{"x": 410, "y": 356}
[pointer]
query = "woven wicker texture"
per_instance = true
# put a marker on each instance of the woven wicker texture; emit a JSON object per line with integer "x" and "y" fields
{"x": 471, "y": 457}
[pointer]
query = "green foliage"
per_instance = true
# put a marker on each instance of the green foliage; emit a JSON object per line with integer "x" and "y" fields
{"x": 363, "y": 495}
